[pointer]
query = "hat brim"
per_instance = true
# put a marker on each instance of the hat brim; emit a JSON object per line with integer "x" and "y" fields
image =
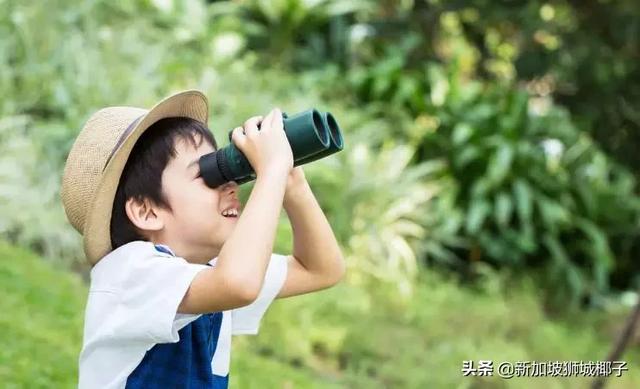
{"x": 97, "y": 234}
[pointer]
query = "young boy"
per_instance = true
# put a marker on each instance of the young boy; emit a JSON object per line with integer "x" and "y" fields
{"x": 177, "y": 266}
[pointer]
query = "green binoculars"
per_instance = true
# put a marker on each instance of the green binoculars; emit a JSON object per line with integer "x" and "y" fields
{"x": 311, "y": 134}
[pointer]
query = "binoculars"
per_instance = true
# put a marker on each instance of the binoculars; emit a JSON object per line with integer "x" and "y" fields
{"x": 311, "y": 134}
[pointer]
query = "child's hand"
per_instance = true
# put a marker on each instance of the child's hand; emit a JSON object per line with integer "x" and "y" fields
{"x": 296, "y": 182}
{"x": 267, "y": 148}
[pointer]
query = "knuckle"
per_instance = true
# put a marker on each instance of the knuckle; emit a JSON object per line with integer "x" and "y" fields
{"x": 253, "y": 121}
{"x": 250, "y": 127}
{"x": 237, "y": 134}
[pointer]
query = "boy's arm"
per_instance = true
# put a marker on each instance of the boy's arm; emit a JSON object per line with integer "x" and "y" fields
{"x": 242, "y": 262}
{"x": 316, "y": 262}
{"x": 237, "y": 278}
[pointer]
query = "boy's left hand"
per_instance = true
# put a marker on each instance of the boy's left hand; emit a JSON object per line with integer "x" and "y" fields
{"x": 316, "y": 262}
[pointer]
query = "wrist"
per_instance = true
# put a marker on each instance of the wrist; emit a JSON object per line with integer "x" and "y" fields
{"x": 272, "y": 180}
{"x": 273, "y": 172}
{"x": 296, "y": 191}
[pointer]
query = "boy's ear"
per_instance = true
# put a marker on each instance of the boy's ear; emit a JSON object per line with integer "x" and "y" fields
{"x": 143, "y": 214}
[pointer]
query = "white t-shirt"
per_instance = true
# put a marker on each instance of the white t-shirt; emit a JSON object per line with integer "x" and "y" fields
{"x": 133, "y": 300}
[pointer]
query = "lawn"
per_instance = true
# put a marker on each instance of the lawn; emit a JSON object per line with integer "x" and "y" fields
{"x": 422, "y": 346}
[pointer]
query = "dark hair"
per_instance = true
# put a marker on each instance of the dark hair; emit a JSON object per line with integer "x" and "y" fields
{"x": 142, "y": 174}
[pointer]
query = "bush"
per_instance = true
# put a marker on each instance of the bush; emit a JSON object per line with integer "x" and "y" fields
{"x": 534, "y": 191}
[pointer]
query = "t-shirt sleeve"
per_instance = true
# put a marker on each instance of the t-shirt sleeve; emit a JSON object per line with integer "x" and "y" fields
{"x": 246, "y": 320}
{"x": 149, "y": 295}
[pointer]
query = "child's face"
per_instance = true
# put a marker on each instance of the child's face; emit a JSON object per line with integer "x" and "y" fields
{"x": 195, "y": 228}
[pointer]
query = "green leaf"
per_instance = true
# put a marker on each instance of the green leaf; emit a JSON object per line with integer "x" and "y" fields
{"x": 599, "y": 249}
{"x": 478, "y": 212}
{"x": 500, "y": 164}
{"x": 559, "y": 256}
{"x": 440, "y": 254}
{"x": 513, "y": 120}
{"x": 480, "y": 188}
{"x": 523, "y": 195}
{"x": 461, "y": 133}
{"x": 469, "y": 154}
{"x": 575, "y": 281}
{"x": 553, "y": 214}
{"x": 503, "y": 209}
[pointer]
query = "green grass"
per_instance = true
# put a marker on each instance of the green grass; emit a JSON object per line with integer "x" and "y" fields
{"x": 41, "y": 322}
{"x": 379, "y": 340}
{"x": 340, "y": 338}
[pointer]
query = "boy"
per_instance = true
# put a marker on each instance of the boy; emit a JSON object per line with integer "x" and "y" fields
{"x": 177, "y": 266}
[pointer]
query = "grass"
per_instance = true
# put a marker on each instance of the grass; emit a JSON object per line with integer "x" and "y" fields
{"x": 340, "y": 338}
{"x": 41, "y": 322}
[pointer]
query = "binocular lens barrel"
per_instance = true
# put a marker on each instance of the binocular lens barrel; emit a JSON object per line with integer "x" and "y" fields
{"x": 306, "y": 133}
{"x": 335, "y": 137}
{"x": 312, "y": 135}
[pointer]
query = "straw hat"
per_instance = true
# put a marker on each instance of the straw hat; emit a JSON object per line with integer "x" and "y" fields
{"x": 98, "y": 156}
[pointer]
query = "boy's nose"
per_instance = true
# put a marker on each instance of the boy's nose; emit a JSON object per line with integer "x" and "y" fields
{"x": 230, "y": 187}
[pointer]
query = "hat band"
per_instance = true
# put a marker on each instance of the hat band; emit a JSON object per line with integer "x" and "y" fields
{"x": 121, "y": 139}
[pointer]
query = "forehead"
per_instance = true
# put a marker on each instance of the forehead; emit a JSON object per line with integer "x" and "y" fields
{"x": 186, "y": 151}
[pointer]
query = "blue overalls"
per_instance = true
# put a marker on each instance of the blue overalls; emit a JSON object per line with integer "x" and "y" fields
{"x": 185, "y": 364}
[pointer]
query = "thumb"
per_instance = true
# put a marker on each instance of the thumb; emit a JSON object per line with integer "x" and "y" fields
{"x": 238, "y": 137}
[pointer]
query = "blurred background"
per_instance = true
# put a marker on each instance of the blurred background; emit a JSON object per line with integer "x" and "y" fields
{"x": 486, "y": 200}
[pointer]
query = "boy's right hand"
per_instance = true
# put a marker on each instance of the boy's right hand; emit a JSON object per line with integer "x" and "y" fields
{"x": 267, "y": 148}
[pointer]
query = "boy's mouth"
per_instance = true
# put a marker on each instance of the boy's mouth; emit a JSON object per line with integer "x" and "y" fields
{"x": 231, "y": 212}
{"x": 232, "y": 209}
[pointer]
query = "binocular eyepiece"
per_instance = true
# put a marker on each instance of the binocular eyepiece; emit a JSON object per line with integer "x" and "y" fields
{"x": 311, "y": 134}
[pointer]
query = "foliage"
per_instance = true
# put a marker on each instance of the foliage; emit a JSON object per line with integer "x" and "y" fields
{"x": 376, "y": 203}
{"x": 583, "y": 54}
{"x": 533, "y": 190}
{"x": 269, "y": 27}
{"x": 30, "y": 211}
{"x": 59, "y": 64}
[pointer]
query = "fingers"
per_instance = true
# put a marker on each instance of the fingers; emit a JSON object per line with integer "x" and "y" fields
{"x": 272, "y": 118}
{"x": 238, "y": 137}
{"x": 265, "y": 147}
{"x": 253, "y": 121}
{"x": 266, "y": 122}
{"x": 251, "y": 125}
{"x": 277, "y": 119}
